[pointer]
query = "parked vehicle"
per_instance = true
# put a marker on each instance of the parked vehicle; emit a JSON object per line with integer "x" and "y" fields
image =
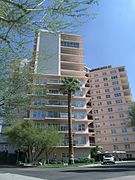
{"x": 108, "y": 158}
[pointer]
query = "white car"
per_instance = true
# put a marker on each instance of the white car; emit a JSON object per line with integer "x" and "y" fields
{"x": 108, "y": 159}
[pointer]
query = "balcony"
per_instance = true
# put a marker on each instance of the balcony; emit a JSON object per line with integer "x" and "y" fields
{"x": 125, "y": 86}
{"x": 72, "y": 72}
{"x": 74, "y": 51}
{"x": 72, "y": 66}
{"x": 71, "y": 37}
{"x": 127, "y": 93}
{"x": 71, "y": 58}
{"x": 123, "y": 75}
{"x": 121, "y": 69}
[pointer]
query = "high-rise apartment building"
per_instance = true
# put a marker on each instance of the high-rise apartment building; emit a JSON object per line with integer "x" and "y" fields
{"x": 57, "y": 56}
{"x": 100, "y": 110}
{"x": 111, "y": 102}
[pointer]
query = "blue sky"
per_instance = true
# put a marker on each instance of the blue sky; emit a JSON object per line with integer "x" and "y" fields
{"x": 109, "y": 39}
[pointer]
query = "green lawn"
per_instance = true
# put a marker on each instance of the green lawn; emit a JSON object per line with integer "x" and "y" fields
{"x": 65, "y": 165}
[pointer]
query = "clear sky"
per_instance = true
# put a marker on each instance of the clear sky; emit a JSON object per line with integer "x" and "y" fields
{"x": 109, "y": 39}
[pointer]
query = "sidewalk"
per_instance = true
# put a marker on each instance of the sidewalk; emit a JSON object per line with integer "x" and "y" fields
{"x": 123, "y": 178}
{"x": 8, "y": 176}
{"x": 100, "y": 164}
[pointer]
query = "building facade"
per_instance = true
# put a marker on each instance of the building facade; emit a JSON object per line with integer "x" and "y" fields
{"x": 100, "y": 110}
{"x": 57, "y": 56}
{"x": 111, "y": 102}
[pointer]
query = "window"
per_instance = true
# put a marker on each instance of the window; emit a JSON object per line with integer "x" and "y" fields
{"x": 95, "y": 75}
{"x": 95, "y": 111}
{"x": 39, "y": 102}
{"x": 110, "y": 109}
{"x": 62, "y": 114}
{"x": 119, "y": 101}
{"x": 97, "y": 85}
{"x": 80, "y": 140}
{"x": 98, "y": 91}
{"x": 111, "y": 117}
{"x": 124, "y": 130}
{"x": 76, "y": 104}
{"x": 53, "y": 91}
{"x": 38, "y": 114}
{"x": 78, "y": 93}
{"x": 109, "y": 102}
{"x": 52, "y": 114}
{"x": 79, "y": 115}
{"x": 120, "y": 109}
{"x": 97, "y": 125}
{"x": 108, "y": 96}
{"x": 133, "y": 129}
{"x": 70, "y": 44}
{"x": 113, "y": 72}
{"x": 96, "y": 80}
{"x": 121, "y": 115}
{"x": 105, "y": 79}
{"x": 63, "y": 127}
{"x": 123, "y": 123}
{"x": 114, "y": 77}
{"x": 112, "y": 124}
{"x": 113, "y": 131}
{"x": 106, "y": 84}
{"x": 79, "y": 127}
{"x": 104, "y": 73}
{"x": 99, "y": 104}
{"x": 41, "y": 81}
{"x": 107, "y": 90}
{"x": 115, "y": 82}
{"x": 121, "y": 69}
{"x": 117, "y": 95}
{"x": 98, "y": 97}
{"x": 125, "y": 139}
{"x": 127, "y": 146}
{"x": 114, "y": 139}
{"x": 116, "y": 88}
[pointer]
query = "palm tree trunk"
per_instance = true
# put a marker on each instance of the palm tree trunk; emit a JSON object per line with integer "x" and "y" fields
{"x": 70, "y": 135}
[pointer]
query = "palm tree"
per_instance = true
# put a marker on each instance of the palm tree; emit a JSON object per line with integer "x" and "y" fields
{"x": 69, "y": 87}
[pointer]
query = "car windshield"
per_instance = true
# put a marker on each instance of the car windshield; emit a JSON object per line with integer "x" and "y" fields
{"x": 108, "y": 156}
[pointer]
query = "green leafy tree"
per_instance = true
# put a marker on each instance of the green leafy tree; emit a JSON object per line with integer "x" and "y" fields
{"x": 69, "y": 87}
{"x": 20, "y": 19}
{"x": 14, "y": 101}
{"x": 94, "y": 151}
{"x": 33, "y": 140}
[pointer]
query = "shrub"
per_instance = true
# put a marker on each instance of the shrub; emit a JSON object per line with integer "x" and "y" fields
{"x": 84, "y": 160}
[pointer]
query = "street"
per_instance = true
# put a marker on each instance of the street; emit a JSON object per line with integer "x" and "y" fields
{"x": 81, "y": 173}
